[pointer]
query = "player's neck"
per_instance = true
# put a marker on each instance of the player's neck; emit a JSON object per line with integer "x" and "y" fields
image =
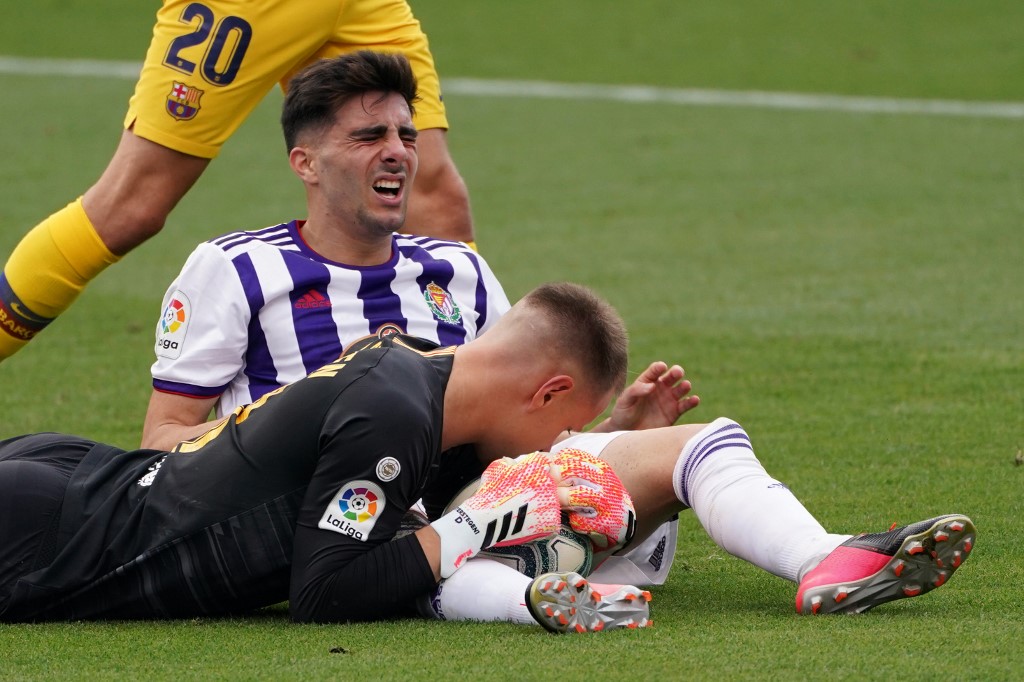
{"x": 338, "y": 245}
{"x": 465, "y": 405}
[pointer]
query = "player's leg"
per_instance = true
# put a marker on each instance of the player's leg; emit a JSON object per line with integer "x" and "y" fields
{"x": 207, "y": 67}
{"x": 439, "y": 204}
{"x": 56, "y": 260}
{"x": 744, "y": 510}
{"x": 138, "y": 189}
{"x": 755, "y": 517}
{"x": 485, "y": 590}
{"x": 648, "y": 558}
{"x": 34, "y": 474}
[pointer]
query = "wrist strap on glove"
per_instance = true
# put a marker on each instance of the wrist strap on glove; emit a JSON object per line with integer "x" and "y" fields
{"x": 515, "y": 503}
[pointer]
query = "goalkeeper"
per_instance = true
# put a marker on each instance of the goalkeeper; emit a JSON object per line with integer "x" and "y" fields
{"x": 300, "y": 495}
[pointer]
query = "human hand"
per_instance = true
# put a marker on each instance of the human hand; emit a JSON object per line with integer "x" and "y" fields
{"x": 515, "y": 503}
{"x": 597, "y": 503}
{"x": 658, "y": 397}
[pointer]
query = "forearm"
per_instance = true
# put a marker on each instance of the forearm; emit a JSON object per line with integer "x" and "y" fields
{"x": 383, "y": 582}
{"x": 167, "y": 436}
{"x": 173, "y": 418}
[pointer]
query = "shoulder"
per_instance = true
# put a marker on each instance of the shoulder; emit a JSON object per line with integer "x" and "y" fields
{"x": 404, "y": 367}
{"x": 396, "y": 384}
{"x": 419, "y": 248}
{"x": 396, "y": 349}
{"x": 280, "y": 237}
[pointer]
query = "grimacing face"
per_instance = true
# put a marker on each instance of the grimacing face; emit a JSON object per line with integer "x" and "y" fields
{"x": 366, "y": 161}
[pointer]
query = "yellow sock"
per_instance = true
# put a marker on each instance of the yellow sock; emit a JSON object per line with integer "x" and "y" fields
{"x": 46, "y": 272}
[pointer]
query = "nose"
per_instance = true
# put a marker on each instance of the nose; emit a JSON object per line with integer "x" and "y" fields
{"x": 394, "y": 149}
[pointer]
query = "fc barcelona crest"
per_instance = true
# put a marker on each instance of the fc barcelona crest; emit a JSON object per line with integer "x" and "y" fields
{"x": 183, "y": 101}
{"x": 442, "y": 304}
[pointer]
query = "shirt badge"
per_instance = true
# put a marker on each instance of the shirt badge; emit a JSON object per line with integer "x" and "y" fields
{"x": 388, "y": 469}
{"x": 442, "y": 304}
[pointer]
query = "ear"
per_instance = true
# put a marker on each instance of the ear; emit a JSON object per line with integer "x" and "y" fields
{"x": 556, "y": 386}
{"x": 301, "y": 161}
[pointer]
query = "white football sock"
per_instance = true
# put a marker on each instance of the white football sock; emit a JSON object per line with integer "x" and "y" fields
{"x": 484, "y": 590}
{"x": 745, "y": 511}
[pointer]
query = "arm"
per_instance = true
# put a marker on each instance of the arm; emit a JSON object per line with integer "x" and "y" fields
{"x": 173, "y": 418}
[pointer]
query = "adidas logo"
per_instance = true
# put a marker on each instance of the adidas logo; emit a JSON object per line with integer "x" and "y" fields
{"x": 312, "y": 299}
{"x": 506, "y": 523}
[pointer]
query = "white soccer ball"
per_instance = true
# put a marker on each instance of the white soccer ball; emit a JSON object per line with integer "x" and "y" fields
{"x": 566, "y": 550}
{"x": 563, "y": 551}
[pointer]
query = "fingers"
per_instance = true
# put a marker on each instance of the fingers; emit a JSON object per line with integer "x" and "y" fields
{"x": 688, "y": 403}
{"x": 595, "y": 499}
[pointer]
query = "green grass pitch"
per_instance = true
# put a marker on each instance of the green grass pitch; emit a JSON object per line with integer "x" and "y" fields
{"x": 846, "y": 285}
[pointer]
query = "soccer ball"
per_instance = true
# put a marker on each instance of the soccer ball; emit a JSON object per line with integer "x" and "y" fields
{"x": 565, "y": 550}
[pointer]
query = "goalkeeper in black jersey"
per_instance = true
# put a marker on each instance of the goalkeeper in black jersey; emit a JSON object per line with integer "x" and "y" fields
{"x": 303, "y": 494}
{"x": 300, "y": 495}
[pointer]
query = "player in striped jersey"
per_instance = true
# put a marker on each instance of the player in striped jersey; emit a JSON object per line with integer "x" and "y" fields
{"x": 255, "y": 310}
{"x": 252, "y": 311}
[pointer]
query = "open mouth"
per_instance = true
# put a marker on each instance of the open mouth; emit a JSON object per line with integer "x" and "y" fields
{"x": 389, "y": 188}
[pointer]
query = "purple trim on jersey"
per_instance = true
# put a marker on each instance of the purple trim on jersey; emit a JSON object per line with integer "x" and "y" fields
{"x": 481, "y": 293}
{"x": 259, "y": 364}
{"x": 315, "y": 331}
{"x": 441, "y": 273}
{"x": 431, "y": 243}
{"x": 304, "y": 248}
{"x": 189, "y": 390}
{"x": 276, "y": 235}
{"x": 728, "y": 436}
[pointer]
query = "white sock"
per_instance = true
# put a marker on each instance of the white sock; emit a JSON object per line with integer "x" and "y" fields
{"x": 484, "y": 590}
{"x": 745, "y": 511}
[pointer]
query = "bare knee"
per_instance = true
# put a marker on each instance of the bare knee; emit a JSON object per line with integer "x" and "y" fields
{"x": 645, "y": 461}
{"x": 142, "y": 183}
{"x": 128, "y": 225}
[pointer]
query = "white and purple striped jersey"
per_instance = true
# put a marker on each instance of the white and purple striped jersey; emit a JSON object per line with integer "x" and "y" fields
{"x": 255, "y": 310}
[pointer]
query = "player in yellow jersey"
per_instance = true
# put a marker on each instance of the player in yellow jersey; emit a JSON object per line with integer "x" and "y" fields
{"x": 208, "y": 66}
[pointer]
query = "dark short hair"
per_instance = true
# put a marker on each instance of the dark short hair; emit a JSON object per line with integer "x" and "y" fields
{"x": 587, "y": 328}
{"x": 317, "y": 92}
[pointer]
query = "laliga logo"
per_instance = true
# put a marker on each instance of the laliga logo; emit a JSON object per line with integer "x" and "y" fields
{"x": 358, "y": 504}
{"x": 354, "y": 510}
{"x": 174, "y": 316}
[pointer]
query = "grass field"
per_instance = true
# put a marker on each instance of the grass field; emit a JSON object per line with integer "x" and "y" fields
{"x": 846, "y": 285}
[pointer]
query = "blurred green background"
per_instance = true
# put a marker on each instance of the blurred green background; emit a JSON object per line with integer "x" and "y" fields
{"x": 846, "y": 285}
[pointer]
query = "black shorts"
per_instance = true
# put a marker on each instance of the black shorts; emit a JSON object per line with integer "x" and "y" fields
{"x": 34, "y": 474}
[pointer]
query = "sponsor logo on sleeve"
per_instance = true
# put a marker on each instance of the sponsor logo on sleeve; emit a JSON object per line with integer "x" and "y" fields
{"x": 173, "y": 326}
{"x": 388, "y": 469}
{"x": 354, "y": 510}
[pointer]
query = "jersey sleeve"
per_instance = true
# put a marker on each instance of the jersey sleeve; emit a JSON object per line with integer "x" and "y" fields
{"x": 377, "y": 453}
{"x": 202, "y": 333}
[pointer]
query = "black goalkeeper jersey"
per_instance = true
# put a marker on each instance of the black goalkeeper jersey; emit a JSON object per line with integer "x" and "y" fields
{"x": 297, "y": 496}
